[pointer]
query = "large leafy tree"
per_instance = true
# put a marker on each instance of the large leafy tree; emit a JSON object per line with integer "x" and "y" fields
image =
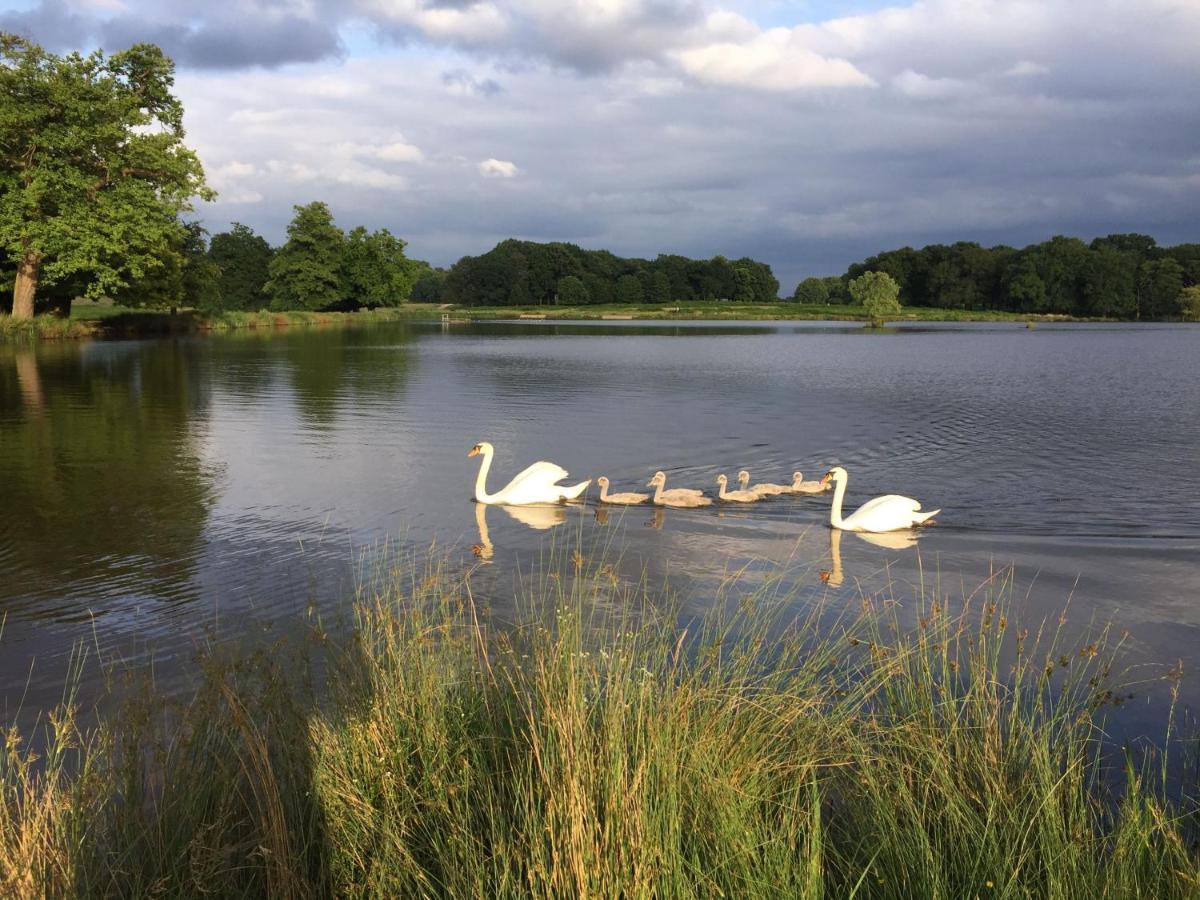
{"x": 93, "y": 168}
{"x": 428, "y": 286}
{"x": 812, "y": 291}
{"x": 1189, "y": 302}
{"x": 878, "y": 294}
{"x": 629, "y": 290}
{"x": 243, "y": 258}
{"x": 571, "y": 292}
{"x": 306, "y": 272}
{"x": 376, "y": 271}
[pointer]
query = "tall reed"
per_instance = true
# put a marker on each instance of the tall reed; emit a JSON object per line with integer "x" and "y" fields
{"x": 606, "y": 744}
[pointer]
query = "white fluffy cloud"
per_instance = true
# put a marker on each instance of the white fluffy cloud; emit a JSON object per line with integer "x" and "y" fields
{"x": 498, "y": 168}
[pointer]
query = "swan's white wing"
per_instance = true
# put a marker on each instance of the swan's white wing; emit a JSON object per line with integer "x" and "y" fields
{"x": 536, "y": 484}
{"x": 542, "y": 472}
{"x": 886, "y": 513}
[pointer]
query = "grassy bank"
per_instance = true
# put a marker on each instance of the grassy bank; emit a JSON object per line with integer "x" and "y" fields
{"x": 105, "y": 320}
{"x": 607, "y": 754}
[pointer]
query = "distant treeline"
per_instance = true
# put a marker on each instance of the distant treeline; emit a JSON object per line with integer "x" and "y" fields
{"x": 1122, "y": 276}
{"x": 320, "y": 267}
{"x": 519, "y": 273}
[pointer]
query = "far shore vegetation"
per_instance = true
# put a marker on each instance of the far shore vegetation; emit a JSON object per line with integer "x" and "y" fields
{"x": 97, "y": 194}
{"x": 599, "y": 741}
{"x": 105, "y": 319}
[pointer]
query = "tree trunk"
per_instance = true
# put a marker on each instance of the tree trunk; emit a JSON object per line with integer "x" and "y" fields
{"x": 26, "y": 285}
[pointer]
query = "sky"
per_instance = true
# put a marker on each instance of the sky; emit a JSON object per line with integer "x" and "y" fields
{"x": 805, "y": 133}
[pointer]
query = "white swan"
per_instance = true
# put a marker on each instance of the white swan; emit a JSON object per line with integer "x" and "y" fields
{"x": 736, "y": 496}
{"x": 888, "y": 513}
{"x": 680, "y": 497}
{"x": 537, "y": 484}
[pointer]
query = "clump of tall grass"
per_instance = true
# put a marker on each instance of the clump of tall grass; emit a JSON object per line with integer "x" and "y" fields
{"x": 46, "y": 327}
{"x": 605, "y": 744}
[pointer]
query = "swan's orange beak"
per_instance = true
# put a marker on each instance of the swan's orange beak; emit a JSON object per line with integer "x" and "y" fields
{"x": 474, "y": 451}
{"x": 826, "y": 478}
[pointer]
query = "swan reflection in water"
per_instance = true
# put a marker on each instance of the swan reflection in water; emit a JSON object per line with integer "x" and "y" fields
{"x": 538, "y": 516}
{"x": 889, "y": 540}
{"x": 603, "y": 513}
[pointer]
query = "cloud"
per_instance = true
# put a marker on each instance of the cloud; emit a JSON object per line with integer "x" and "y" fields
{"x": 914, "y": 84}
{"x": 395, "y": 151}
{"x": 689, "y": 126}
{"x": 51, "y": 23}
{"x": 498, "y": 168}
{"x": 460, "y": 81}
{"x": 267, "y": 33}
{"x": 771, "y": 61}
{"x": 467, "y": 23}
{"x": 1025, "y": 68}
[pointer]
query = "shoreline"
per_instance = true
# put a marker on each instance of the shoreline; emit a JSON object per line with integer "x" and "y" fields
{"x": 91, "y": 322}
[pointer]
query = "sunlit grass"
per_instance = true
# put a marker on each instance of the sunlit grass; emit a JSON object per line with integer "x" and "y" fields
{"x": 602, "y": 744}
{"x": 41, "y": 328}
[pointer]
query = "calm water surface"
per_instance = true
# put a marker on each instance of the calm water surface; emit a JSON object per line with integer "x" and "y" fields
{"x": 157, "y": 494}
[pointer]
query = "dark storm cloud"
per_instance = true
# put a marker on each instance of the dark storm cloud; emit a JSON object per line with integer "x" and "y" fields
{"x": 196, "y": 35}
{"x": 230, "y": 45}
{"x": 580, "y": 35}
{"x": 51, "y": 24}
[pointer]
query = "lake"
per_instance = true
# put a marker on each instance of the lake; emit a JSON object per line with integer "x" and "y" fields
{"x": 159, "y": 495}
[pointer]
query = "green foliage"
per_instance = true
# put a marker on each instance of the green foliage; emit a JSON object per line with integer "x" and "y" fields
{"x": 1158, "y": 285}
{"x": 306, "y": 272}
{"x": 521, "y": 272}
{"x": 93, "y": 168}
{"x": 1119, "y": 276}
{"x": 812, "y": 290}
{"x": 878, "y": 294}
{"x": 839, "y": 290}
{"x": 658, "y": 288}
{"x": 1189, "y": 303}
{"x": 1110, "y": 282}
{"x": 571, "y": 292}
{"x": 629, "y": 290}
{"x": 243, "y": 259}
{"x": 375, "y": 270}
{"x": 427, "y": 288}
{"x": 186, "y": 278}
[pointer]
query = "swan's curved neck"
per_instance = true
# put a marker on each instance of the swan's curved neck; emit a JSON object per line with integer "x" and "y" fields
{"x": 723, "y": 490}
{"x": 481, "y": 494}
{"x": 658, "y": 489}
{"x": 835, "y": 511}
{"x": 603, "y": 492}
